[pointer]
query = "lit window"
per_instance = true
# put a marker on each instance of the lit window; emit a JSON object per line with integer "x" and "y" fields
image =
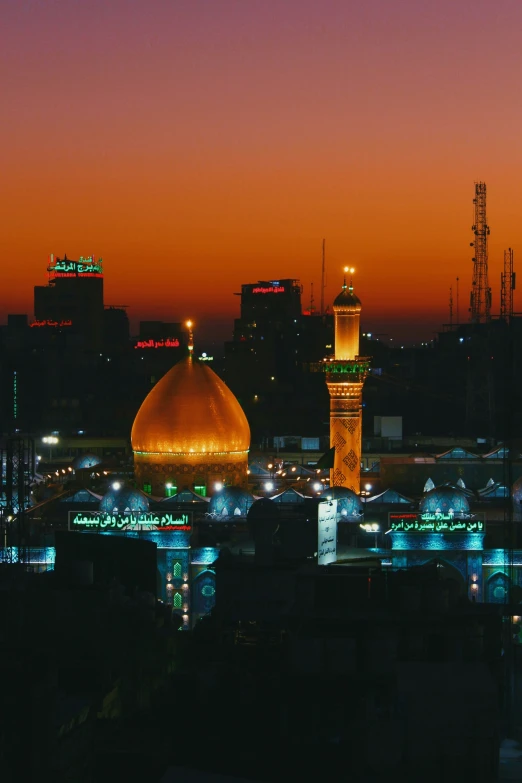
{"x": 176, "y": 569}
{"x": 178, "y": 601}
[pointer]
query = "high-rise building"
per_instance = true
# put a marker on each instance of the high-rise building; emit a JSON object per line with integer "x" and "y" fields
{"x": 73, "y": 296}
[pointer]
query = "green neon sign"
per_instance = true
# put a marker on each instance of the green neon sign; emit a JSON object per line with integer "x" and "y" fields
{"x": 89, "y": 266}
{"x": 439, "y": 525}
{"x": 98, "y": 520}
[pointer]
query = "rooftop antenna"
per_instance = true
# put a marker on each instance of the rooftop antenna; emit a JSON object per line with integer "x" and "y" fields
{"x": 451, "y": 306}
{"x": 312, "y": 308}
{"x": 458, "y": 301}
{"x": 323, "y": 284}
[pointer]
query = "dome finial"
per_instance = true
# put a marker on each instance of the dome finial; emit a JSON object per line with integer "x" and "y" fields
{"x": 189, "y": 326}
{"x": 351, "y": 270}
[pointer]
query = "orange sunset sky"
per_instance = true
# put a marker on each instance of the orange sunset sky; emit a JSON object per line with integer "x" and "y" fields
{"x": 199, "y": 144}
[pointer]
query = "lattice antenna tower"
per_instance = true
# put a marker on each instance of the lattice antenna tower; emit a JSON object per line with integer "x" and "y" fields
{"x": 507, "y": 286}
{"x": 480, "y": 300}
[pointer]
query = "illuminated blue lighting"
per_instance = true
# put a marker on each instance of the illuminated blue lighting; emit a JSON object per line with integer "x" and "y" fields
{"x": 437, "y": 541}
{"x": 205, "y": 555}
{"x": 501, "y": 557}
{"x": 34, "y": 555}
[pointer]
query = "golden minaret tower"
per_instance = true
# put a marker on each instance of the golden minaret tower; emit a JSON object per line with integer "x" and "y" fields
{"x": 345, "y": 376}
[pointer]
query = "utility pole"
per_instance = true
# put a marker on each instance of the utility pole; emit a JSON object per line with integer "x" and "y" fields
{"x": 480, "y": 299}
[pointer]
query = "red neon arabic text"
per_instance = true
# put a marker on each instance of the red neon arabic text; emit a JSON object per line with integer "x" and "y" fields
{"x": 168, "y": 343}
{"x": 273, "y": 289}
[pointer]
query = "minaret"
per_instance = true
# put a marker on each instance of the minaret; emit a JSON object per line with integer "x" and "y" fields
{"x": 345, "y": 376}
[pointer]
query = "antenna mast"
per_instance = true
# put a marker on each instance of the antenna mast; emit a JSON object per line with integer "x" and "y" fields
{"x": 312, "y": 308}
{"x": 480, "y": 300}
{"x": 507, "y": 286}
{"x": 458, "y": 301}
{"x": 322, "y": 280}
{"x": 451, "y": 306}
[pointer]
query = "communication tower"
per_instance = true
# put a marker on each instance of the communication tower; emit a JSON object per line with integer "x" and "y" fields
{"x": 480, "y": 300}
{"x": 507, "y": 286}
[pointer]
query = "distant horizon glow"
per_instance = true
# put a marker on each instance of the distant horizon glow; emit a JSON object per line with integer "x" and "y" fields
{"x": 201, "y": 146}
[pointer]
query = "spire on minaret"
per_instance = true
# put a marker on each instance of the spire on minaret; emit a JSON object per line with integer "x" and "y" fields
{"x": 347, "y": 310}
{"x": 189, "y": 326}
{"x": 351, "y": 270}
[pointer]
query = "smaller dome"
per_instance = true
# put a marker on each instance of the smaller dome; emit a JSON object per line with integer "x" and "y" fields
{"x": 349, "y": 504}
{"x": 86, "y": 460}
{"x": 123, "y": 501}
{"x": 230, "y": 502}
{"x": 347, "y": 298}
{"x": 445, "y": 500}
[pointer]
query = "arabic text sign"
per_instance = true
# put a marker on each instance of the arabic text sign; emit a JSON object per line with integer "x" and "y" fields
{"x": 168, "y": 343}
{"x": 85, "y": 267}
{"x": 99, "y": 520}
{"x": 48, "y": 322}
{"x": 327, "y": 532}
{"x": 272, "y": 289}
{"x": 433, "y": 523}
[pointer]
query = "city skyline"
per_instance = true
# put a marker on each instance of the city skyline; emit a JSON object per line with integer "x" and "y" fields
{"x": 197, "y": 148}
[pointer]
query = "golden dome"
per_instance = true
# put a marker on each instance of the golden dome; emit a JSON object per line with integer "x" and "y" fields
{"x": 190, "y": 411}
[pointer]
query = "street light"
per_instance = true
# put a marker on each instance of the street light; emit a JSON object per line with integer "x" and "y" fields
{"x": 50, "y": 440}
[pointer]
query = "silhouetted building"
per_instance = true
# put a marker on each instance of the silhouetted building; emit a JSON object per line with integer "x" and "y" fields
{"x": 73, "y": 297}
{"x": 116, "y": 330}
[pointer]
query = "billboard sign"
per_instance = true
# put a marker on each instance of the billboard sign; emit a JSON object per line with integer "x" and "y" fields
{"x": 327, "y": 532}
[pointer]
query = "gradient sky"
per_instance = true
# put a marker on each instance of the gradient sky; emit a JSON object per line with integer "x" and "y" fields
{"x": 199, "y": 144}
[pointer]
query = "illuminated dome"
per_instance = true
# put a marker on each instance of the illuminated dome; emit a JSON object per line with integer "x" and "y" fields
{"x": 86, "y": 460}
{"x": 190, "y": 431}
{"x": 445, "y": 500}
{"x": 516, "y": 499}
{"x": 124, "y": 500}
{"x": 230, "y": 502}
{"x": 347, "y": 299}
{"x": 349, "y": 504}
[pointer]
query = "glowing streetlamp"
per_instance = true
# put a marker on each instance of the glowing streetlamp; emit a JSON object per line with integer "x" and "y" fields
{"x": 50, "y": 440}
